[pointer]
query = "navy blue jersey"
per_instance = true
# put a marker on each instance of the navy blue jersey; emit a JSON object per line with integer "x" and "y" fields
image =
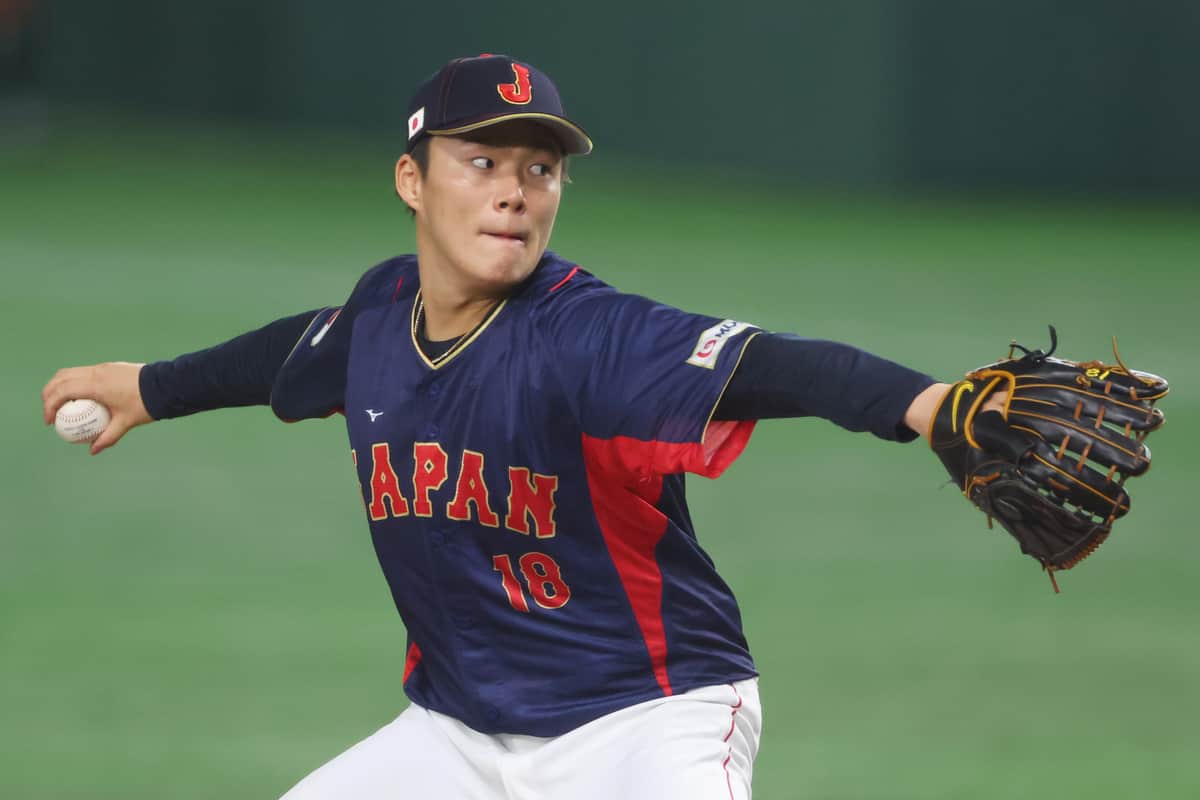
{"x": 525, "y": 491}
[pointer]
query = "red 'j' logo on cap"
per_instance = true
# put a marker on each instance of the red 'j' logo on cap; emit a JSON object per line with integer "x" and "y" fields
{"x": 519, "y": 92}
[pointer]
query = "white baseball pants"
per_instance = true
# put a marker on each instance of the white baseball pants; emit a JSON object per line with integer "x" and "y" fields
{"x": 699, "y": 745}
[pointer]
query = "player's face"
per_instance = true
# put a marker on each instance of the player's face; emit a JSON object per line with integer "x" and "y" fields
{"x": 487, "y": 204}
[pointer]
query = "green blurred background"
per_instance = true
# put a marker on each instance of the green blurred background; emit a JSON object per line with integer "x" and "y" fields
{"x": 198, "y": 612}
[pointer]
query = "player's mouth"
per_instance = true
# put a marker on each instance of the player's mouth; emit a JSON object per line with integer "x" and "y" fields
{"x": 516, "y": 238}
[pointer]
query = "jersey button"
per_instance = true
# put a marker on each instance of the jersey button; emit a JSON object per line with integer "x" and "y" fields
{"x": 492, "y": 713}
{"x": 437, "y": 537}
{"x": 435, "y": 389}
{"x": 432, "y": 432}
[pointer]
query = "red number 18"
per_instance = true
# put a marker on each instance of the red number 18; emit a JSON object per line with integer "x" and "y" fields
{"x": 542, "y": 577}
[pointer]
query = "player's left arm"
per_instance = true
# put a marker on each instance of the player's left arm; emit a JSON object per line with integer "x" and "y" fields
{"x": 781, "y": 375}
{"x": 662, "y": 390}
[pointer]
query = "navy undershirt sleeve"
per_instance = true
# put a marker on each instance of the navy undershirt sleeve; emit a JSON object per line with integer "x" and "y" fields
{"x": 239, "y": 372}
{"x": 782, "y": 375}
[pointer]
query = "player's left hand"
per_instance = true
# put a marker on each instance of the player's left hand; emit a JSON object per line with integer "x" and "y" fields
{"x": 919, "y": 416}
{"x": 1051, "y": 461}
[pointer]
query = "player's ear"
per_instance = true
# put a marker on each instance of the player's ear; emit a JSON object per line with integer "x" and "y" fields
{"x": 408, "y": 181}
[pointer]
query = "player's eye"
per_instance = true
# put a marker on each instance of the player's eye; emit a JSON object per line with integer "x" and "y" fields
{"x": 542, "y": 170}
{"x": 483, "y": 162}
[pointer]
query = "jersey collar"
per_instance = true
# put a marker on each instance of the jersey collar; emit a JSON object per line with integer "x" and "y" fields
{"x": 463, "y": 342}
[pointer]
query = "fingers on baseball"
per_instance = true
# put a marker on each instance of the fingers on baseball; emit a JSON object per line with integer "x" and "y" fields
{"x": 71, "y": 383}
{"x": 112, "y": 434}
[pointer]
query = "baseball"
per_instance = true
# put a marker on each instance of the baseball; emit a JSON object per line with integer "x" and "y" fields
{"x": 81, "y": 420}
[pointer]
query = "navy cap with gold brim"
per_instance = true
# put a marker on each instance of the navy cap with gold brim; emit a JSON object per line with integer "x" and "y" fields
{"x": 472, "y": 93}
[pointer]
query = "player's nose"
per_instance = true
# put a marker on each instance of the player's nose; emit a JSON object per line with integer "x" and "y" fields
{"x": 510, "y": 195}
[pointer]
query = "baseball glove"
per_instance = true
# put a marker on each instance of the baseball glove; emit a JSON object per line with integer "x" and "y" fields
{"x": 1051, "y": 466}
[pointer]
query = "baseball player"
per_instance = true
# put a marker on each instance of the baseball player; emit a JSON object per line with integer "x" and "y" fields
{"x": 520, "y": 432}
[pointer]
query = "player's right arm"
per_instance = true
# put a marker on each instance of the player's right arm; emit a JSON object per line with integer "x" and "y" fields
{"x": 239, "y": 372}
{"x": 267, "y": 366}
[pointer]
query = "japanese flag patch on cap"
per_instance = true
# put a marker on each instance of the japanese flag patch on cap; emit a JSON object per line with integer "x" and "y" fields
{"x": 416, "y": 122}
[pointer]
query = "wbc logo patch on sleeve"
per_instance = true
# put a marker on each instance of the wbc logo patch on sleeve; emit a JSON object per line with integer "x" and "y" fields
{"x": 713, "y": 340}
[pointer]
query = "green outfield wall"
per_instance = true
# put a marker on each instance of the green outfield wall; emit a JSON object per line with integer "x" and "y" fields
{"x": 1076, "y": 95}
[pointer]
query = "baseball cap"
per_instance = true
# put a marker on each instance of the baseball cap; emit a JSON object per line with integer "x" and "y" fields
{"x": 472, "y": 93}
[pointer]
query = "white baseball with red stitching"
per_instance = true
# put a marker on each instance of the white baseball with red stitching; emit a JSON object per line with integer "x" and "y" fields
{"x": 81, "y": 420}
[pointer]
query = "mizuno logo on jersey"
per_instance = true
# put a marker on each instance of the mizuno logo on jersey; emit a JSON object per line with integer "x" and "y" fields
{"x": 373, "y": 414}
{"x": 713, "y": 340}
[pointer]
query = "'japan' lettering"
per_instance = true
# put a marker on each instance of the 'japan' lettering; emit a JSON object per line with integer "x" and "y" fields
{"x": 530, "y": 497}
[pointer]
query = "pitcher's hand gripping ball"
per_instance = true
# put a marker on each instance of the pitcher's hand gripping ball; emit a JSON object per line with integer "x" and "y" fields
{"x": 1051, "y": 467}
{"x": 81, "y": 421}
